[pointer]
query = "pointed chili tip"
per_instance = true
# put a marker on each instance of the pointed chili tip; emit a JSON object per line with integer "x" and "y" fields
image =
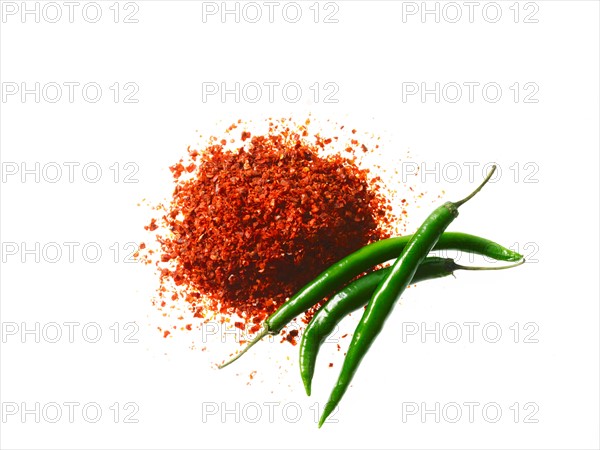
{"x": 322, "y": 421}
{"x": 510, "y": 266}
{"x": 307, "y": 388}
{"x": 306, "y": 379}
{"x": 326, "y": 412}
{"x": 517, "y": 257}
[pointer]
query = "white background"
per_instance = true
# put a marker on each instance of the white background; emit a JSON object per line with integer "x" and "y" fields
{"x": 369, "y": 53}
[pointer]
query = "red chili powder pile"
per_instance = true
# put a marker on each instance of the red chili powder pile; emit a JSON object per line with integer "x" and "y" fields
{"x": 250, "y": 225}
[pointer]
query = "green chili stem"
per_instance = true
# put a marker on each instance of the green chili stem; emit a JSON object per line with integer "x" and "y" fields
{"x": 483, "y": 183}
{"x": 261, "y": 334}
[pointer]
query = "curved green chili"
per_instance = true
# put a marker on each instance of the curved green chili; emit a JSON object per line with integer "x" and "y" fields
{"x": 361, "y": 261}
{"x": 355, "y": 296}
{"x": 387, "y": 292}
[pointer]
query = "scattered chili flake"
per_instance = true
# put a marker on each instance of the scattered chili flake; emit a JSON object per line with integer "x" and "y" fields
{"x": 291, "y": 337}
{"x": 166, "y": 333}
{"x": 152, "y": 226}
{"x": 330, "y": 364}
{"x": 251, "y": 376}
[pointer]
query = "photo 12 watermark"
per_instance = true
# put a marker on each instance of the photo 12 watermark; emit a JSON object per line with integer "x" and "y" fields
{"x": 269, "y": 92}
{"x": 469, "y": 332}
{"x": 271, "y": 12}
{"x": 263, "y": 412}
{"x": 70, "y": 12}
{"x": 463, "y": 92}
{"x": 69, "y": 172}
{"x": 61, "y": 92}
{"x": 457, "y": 171}
{"x": 69, "y": 332}
{"x": 71, "y": 252}
{"x": 63, "y": 412}
{"x": 469, "y": 412}
{"x": 470, "y": 12}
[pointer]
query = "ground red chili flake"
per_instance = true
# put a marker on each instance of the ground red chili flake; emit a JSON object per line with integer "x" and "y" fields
{"x": 251, "y": 376}
{"x": 152, "y": 226}
{"x": 247, "y": 226}
{"x": 291, "y": 337}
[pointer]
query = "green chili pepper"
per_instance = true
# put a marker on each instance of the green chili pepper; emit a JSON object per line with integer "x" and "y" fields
{"x": 361, "y": 261}
{"x": 355, "y": 296}
{"x": 389, "y": 290}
